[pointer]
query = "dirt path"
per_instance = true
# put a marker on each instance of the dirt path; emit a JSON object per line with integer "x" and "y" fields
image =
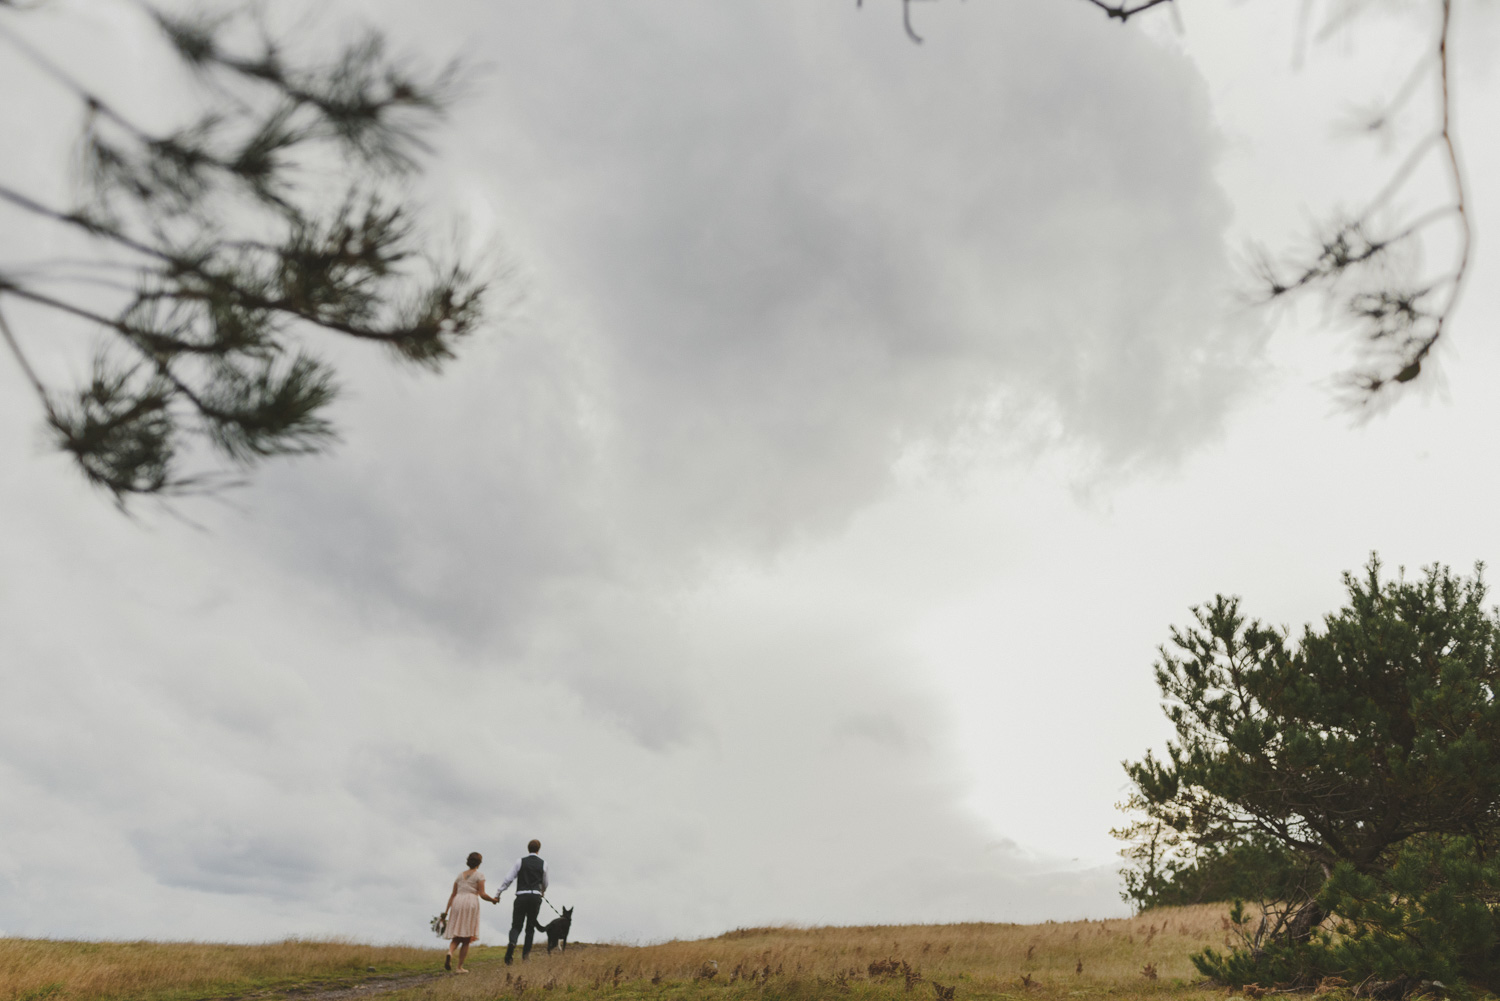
{"x": 339, "y": 991}
{"x": 367, "y": 988}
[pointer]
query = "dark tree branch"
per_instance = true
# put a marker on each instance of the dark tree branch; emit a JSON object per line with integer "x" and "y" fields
{"x": 1456, "y": 174}
{"x": 91, "y": 100}
{"x": 1403, "y": 323}
{"x": 89, "y": 225}
{"x": 1123, "y": 12}
{"x": 233, "y": 253}
{"x": 911, "y": 32}
{"x": 1400, "y": 323}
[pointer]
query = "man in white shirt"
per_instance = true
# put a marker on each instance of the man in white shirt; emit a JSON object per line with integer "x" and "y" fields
{"x": 530, "y": 876}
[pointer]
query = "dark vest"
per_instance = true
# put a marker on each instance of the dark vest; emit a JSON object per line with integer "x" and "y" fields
{"x": 529, "y": 879}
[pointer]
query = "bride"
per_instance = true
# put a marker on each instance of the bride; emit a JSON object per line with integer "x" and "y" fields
{"x": 462, "y": 911}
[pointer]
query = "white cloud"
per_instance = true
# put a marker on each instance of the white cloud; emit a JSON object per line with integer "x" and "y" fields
{"x": 772, "y": 248}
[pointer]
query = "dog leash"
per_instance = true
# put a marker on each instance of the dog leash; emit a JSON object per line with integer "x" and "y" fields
{"x": 549, "y": 904}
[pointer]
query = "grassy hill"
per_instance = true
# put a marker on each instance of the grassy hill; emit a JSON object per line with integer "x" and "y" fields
{"x": 38, "y": 970}
{"x": 1144, "y": 957}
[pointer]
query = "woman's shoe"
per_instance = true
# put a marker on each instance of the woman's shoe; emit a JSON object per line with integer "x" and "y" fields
{"x": 448, "y": 961}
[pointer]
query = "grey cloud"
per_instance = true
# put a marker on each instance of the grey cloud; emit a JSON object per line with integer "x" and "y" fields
{"x": 882, "y": 728}
{"x": 440, "y": 785}
{"x": 751, "y": 300}
{"x": 222, "y": 860}
{"x": 774, "y": 249}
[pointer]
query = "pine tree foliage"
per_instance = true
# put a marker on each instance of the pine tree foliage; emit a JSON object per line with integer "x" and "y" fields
{"x": 1164, "y": 868}
{"x": 1362, "y": 761}
{"x": 220, "y": 246}
{"x": 1430, "y": 917}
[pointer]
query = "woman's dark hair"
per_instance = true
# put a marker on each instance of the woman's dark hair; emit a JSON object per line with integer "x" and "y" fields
{"x": 474, "y": 859}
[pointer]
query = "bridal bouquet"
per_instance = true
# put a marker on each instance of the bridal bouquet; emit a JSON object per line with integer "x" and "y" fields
{"x": 439, "y": 925}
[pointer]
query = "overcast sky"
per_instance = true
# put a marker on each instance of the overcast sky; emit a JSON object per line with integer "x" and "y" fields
{"x": 796, "y": 545}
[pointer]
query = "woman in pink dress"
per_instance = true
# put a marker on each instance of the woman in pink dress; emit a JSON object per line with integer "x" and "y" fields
{"x": 463, "y": 911}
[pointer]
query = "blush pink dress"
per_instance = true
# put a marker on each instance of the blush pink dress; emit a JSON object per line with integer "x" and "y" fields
{"x": 463, "y": 915}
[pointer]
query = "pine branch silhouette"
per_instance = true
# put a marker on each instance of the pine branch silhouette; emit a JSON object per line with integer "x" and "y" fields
{"x": 1365, "y": 267}
{"x": 220, "y": 245}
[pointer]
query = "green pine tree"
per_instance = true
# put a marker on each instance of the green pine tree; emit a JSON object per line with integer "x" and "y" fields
{"x": 1366, "y": 756}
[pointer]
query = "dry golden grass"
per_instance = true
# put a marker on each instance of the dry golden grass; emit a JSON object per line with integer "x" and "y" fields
{"x": 1143, "y": 957}
{"x": 38, "y": 970}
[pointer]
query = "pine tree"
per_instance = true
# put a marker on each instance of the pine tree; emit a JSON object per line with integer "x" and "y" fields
{"x": 216, "y": 248}
{"x": 1369, "y": 751}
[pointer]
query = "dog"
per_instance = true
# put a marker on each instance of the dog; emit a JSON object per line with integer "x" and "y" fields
{"x": 557, "y": 930}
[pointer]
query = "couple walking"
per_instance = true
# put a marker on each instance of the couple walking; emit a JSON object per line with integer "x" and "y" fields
{"x": 530, "y": 876}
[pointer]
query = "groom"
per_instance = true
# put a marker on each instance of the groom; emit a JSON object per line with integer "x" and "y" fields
{"x": 530, "y": 876}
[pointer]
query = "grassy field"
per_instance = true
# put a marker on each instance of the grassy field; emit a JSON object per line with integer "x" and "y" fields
{"x": 1144, "y": 957}
{"x": 34, "y": 970}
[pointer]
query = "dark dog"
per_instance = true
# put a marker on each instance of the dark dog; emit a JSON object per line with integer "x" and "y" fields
{"x": 557, "y": 930}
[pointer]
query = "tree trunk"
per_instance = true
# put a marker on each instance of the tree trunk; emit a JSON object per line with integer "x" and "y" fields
{"x": 1300, "y": 927}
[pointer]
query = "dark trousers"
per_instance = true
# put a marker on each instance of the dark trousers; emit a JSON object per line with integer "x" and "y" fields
{"x": 527, "y": 907}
